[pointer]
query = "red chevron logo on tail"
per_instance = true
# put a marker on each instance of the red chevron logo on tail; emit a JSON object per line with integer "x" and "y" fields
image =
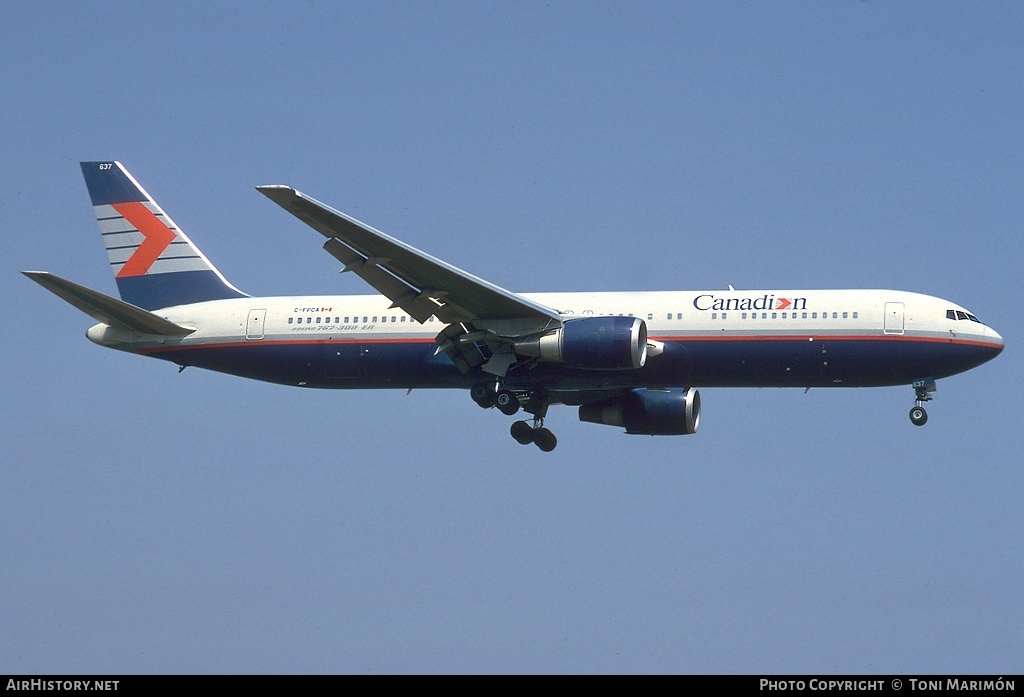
{"x": 157, "y": 237}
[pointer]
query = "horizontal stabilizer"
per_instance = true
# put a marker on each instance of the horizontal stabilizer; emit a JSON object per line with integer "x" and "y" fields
{"x": 102, "y": 308}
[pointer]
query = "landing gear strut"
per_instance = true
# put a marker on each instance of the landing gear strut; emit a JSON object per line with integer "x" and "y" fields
{"x": 922, "y": 394}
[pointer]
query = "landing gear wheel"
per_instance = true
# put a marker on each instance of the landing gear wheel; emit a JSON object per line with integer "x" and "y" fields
{"x": 918, "y": 416}
{"x": 522, "y": 432}
{"x": 545, "y": 439}
{"x": 483, "y": 395}
{"x": 507, "y": 402}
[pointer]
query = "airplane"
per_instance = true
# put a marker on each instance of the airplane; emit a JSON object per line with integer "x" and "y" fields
{"x": 632, "y": 360}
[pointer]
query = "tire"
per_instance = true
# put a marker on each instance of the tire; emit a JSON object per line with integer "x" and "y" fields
{"x": 545, "y": 440}
{"x": 522, "y": 432}
{"x": 507, "y": 403}
{"x": 483, "y": 395}
{"x": 918, "y": 416}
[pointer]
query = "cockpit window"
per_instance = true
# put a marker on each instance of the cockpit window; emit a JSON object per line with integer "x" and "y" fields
{"x": 960, "y": 314}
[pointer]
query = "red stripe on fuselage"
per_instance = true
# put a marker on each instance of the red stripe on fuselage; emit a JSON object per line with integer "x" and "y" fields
{"x": 675, "y": 339}
{"x": 157, "y": 237}
{"x": 833, "y": 337}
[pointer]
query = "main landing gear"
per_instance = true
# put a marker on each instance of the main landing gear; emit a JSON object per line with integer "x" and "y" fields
{"x": 525, "y": 434}
{"x": 509, "y": 402}
{"x": 506, "y": 401}
{"x": 922, "y": 394}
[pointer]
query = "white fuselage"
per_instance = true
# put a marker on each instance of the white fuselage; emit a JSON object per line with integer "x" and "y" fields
{"x": 762, "y": 330}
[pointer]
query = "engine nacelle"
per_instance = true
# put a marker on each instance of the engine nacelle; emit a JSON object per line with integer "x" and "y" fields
{"x": 648, "y": 412}
{"x": 592, "y": 343}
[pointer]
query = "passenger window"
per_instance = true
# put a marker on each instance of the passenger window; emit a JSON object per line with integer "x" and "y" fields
{"x": 775, "y": 315}
{"x": 290, "y": 320}
{"x": 650, "y": 315}
{"x": 679, "y": 315}
{"x": 724, "y": 315}
{"x": 783, "y": 315}
{"x": 744, "y": 315}
{"x": 855, "y": 315}
{"x": 714, "y": 315}
{"x": 844, "y": 315}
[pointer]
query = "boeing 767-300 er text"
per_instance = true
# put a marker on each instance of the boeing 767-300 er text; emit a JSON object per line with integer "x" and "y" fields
{"x": 632, "y": 360}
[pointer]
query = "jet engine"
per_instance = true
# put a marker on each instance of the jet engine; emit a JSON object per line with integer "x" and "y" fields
{"x": 648, "y": 412}
{"x": 592, "y": 343}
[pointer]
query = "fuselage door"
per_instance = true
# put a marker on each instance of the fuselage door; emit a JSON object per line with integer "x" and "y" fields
{"x": 894, "y": 318}
{"x": 254, "y": 325}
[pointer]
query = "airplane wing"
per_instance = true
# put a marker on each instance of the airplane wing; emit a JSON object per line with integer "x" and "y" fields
{"x": 414, "y": 281}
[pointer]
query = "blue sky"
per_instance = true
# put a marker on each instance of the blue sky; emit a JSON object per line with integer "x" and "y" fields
{"x": 157, "y": 522}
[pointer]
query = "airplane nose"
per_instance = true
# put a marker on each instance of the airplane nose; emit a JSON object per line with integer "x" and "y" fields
{"x": 994, "y": 337}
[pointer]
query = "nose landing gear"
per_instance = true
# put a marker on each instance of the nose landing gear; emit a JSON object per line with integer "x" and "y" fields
{"x": 922, "y": 393}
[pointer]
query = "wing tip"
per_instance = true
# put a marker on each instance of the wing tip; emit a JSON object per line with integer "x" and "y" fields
{"x": 279, "y": 193}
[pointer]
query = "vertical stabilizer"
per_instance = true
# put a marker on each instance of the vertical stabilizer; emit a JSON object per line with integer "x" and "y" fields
{"x": 154, "y": 263}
